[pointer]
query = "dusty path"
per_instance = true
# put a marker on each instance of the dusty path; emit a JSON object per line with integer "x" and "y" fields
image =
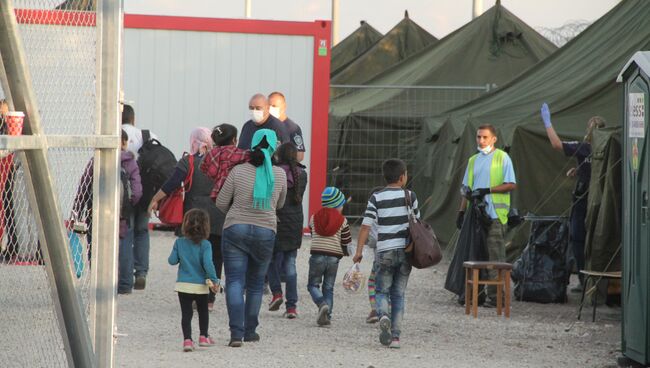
{"x": 436, "y": 332}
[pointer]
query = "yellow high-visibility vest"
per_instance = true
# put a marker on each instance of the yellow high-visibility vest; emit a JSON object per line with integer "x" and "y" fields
{"x": 500, "y": 201}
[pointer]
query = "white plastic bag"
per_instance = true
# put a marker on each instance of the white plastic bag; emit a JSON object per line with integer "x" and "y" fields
{"x": 353, "y": 279}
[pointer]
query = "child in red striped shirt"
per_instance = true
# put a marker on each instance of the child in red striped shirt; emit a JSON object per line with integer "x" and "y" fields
{"x": 223, "y": 157}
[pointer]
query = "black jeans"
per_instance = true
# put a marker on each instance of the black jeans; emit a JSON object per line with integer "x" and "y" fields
{"x": 217, "y": 260}
{"x": 186, "y": 300}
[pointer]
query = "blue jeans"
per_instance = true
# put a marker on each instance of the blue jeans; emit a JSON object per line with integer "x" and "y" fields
{"x": 391, "y": 278}
{"x": 141, "y": 241}
{"x": 322, "y": 269}
{"x": 246, "y": 251}
{"x": 125, "y": 261}
{"x": 284, "y": 263}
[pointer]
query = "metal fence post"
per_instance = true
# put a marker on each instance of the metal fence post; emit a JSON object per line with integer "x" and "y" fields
{"x": 50, "y": 221}
{"x": 105, "y": 206}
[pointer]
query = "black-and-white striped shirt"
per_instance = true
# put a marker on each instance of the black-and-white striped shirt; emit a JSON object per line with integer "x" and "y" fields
{"x": 387, "y": 211}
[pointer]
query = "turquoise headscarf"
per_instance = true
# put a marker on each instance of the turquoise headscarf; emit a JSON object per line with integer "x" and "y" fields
{"x": 264, "y": 177}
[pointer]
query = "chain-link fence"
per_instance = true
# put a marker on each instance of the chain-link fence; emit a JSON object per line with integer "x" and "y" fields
{"x": 61, "y": 44}
{"x": 360, "y": 141}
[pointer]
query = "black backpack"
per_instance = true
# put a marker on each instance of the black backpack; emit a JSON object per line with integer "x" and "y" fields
{"x": 126, "y": 207}
{"x": 156, "y": 163}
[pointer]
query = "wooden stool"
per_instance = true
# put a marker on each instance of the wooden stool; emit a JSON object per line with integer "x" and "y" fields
{"x": 471, "y": 284}
{"x": 588, "y": 276}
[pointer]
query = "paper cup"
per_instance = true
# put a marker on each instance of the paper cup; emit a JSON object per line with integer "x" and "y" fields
{"x": 14, "y": 121}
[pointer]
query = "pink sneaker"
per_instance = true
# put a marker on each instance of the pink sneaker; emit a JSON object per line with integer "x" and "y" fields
{"x": 188, "y": 345}
{"x": 205, "y": 341}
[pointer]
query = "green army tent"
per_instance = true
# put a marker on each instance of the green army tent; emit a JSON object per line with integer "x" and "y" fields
{"x": 578, "y": 81}
{"x": 404, "y": 40}
{"x": 353, "y": 46}
{"x": 374, "y": 124}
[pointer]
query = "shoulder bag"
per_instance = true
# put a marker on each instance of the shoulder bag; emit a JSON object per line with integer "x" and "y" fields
{"x": 423, "y": 249}
{"x": 170, "y": 210}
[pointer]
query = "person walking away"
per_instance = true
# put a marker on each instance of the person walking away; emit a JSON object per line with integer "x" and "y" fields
{"x": 582, "y": 152}
{"x": 131, "y": 192}
{"x": 372, "y": 244}
{"x": 141, "y": 241}
{"x": 198, "y": 194}
{"x": 258, "y": 106}
{"x": 490, "y": 176}
{"x": 289, "y": 233}
{"x": 387, "y": 210}
{"x": 250, "y": 197}
{"x": 330, "y": 238}
{"x": 278, "y": 109}
{"x": 223, "y": 157}
{"x": 196, "y": 275}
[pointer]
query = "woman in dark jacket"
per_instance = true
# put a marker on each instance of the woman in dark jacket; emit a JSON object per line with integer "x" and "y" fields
{"x": 199, "y": 194}
{"x": 289, "y": 236}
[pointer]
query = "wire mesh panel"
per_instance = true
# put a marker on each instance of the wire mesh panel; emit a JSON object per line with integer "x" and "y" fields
{"x": 360, "y": 141}
{"x": 60, "y": 44}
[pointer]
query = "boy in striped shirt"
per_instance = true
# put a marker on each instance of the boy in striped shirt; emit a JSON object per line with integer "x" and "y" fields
{"x": 387, "y": 211}
{"x": 330, "y": 237}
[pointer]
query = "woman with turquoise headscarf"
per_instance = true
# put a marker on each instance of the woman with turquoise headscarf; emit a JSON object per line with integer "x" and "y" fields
{"x": 250, "y": 197}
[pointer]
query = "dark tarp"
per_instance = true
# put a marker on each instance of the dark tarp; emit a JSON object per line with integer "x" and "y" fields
{"x": 352, "y": 46}
{"x": 375, "y": 124}
{"x": 578, "y": 82}
{"x": 604, "y": 211}
{"x": 404, "y": 40}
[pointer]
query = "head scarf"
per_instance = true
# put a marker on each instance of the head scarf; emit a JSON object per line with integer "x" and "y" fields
{"x": 200, "y": 138}
{"x": 264, "y": 177}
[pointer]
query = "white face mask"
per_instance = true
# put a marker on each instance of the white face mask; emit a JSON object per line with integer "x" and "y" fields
{"x": 275, "y": 111}
{"x": 486, "y": 150}
{"x": 257, "y": 115}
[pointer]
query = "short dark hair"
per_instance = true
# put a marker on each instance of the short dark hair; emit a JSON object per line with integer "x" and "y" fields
{"x": 223, "y": 134}
{"x": 196, "y": 225}
{"x": 392, "y": 169}
{"x": 128, "y": 115}
{"x": 489, "y": 127}
{"x": 125, "y": 136}
{"x": 276, "y": 93}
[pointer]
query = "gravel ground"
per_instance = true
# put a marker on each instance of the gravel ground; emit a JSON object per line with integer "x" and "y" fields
{"x": 436, "y": 332}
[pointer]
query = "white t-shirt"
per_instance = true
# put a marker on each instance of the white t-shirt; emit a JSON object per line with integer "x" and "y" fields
{"x": 135, "y": 138}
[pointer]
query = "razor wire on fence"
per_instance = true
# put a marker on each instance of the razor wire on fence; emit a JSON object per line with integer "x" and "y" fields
{"x": 360, "y": 141}
{"x": 61, "y": 45}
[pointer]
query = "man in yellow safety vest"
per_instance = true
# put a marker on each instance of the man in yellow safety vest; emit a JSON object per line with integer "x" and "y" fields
{"x": 490, "y": 175}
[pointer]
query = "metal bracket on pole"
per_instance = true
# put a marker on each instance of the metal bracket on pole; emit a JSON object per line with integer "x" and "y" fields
{"x": 50, "y": 220}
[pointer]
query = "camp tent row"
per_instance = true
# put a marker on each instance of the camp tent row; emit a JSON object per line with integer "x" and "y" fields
{"x": 353, "y": 46}
{"x": 373, "y": 124}
{"x": 578, "y": 82}
{"x": 405, "y": 39}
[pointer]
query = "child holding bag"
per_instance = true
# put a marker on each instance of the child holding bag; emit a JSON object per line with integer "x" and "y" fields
{"x": 330, "y": 237}
{"x": 196, "y": 275}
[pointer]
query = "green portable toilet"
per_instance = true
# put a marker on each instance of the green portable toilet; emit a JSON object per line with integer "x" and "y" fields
{"x": 636, "y": 218}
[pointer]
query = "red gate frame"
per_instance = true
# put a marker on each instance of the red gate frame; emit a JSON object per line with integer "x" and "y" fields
{"x": 320, "y": 30}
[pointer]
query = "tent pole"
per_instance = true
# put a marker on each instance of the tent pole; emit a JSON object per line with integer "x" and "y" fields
{"x": 335, "y": 22}
{"x": 247, "y": 8}
{"x": 477, "y": 8}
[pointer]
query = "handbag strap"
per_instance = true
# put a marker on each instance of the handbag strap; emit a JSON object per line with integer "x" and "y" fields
{"x": 187, "y": 184}
{"x": 409, "y": 206}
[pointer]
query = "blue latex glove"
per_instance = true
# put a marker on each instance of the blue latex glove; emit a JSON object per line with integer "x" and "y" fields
{"x": 546, "y": 115}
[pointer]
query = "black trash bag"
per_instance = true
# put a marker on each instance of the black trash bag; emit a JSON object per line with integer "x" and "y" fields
{"x": 471, "y": 246}
{"x": 541, "y": 274}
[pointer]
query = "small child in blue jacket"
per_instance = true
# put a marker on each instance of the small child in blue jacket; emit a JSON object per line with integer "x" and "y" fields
{"x": 196, "y": 275}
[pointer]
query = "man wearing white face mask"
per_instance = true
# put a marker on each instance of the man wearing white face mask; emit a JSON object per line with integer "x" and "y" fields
{"x": 278, "y": 108}
{"x": 258, "y": 107}
{"x": 490, "y": 176}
